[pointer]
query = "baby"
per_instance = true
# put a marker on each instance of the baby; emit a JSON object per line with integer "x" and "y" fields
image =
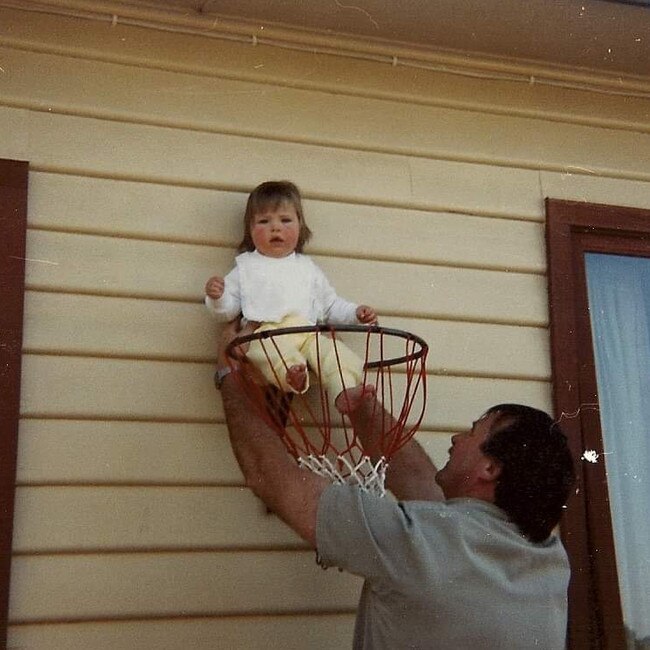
{"x": 274, "y": 285}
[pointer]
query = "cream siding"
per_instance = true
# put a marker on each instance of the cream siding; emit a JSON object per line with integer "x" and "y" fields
{"x": 295, "y": 632}
{"x": 133, "y": 528}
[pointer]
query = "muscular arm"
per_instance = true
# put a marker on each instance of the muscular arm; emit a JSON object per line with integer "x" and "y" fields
{"x": 411, "y": 473}
{"x": 272, "y": 474}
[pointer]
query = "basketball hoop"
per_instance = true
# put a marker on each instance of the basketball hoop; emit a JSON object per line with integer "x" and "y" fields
{"x": 313, "y": 431}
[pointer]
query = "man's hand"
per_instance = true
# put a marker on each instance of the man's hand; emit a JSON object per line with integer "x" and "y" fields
{"x": 229, "y": 333}
{"x": 366, "y": 315}
{"x": 214, "y": 287}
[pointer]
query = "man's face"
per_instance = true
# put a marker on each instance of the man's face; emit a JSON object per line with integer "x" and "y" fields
{"x": 467, "y": 464}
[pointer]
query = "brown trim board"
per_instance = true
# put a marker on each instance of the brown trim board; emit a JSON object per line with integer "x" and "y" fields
{"x": 13, "y": 224}
{"x": 572, "y": 229}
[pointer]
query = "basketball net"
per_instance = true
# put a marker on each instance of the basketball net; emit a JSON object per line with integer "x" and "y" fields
{"x": 313, "y": 431}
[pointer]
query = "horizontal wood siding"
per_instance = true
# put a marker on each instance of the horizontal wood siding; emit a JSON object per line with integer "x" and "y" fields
{"x": 97, "y": 388}
{"x": 253, "y": 632}
{"x": 183, "y": 331}
{"x": 425, "y": 192}
{"x": 144, "y": 585}
{"x": 109, "y": 452}
{"x": 105, "y": 265}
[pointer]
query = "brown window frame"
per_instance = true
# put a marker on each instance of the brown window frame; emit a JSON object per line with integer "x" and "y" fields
{"x": 13, "y": 226}
{"x": 572, "y": 229}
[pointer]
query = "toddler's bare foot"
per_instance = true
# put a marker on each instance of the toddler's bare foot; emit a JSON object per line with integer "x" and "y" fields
{"x": 348, "y": 401}
{"x": 297, "y": 377}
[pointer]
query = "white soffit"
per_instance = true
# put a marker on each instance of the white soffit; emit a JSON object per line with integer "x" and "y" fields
{"x": 595, "y": 34}
{"x": 605, "y": 41}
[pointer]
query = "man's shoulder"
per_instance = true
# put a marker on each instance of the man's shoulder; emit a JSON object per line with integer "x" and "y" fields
{"x": 361, "y": 508}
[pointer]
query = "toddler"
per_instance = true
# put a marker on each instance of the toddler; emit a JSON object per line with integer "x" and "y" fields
{"x": 274, "y": 285}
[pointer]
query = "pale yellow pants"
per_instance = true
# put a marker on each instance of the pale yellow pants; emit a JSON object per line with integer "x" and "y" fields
{"x": 293, "y": 349}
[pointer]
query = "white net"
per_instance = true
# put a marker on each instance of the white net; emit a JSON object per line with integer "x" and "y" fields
{"x": 368, "y": 476}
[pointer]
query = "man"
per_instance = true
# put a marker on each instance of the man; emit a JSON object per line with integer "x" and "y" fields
{"x": 465, "y": 556}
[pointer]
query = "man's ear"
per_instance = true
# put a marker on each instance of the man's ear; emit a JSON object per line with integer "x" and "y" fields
{"x": 491, "y": 470}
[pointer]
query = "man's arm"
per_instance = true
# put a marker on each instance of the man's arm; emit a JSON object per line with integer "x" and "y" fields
{"x": 288, "y": 491}
{"x": 411, "y": 473}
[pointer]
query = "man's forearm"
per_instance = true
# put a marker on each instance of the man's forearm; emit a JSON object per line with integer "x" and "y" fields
{"x": 289, "y": 492}
{"x": 411, "y": 473}
{"x": 257, "y": 448}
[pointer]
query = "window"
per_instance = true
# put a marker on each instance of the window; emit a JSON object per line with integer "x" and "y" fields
{"x": 13, "y": 217}
{"x": 592, "y": 247}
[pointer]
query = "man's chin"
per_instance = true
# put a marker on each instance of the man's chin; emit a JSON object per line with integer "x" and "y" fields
{"x": 441, "y": 474}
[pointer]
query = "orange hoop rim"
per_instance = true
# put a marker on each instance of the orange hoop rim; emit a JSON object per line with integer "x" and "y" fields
{"x": 323, "y": 441}
{"x": 324, "y": 328}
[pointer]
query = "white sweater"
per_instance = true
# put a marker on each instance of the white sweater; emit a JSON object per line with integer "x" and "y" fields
{"x": 267, "y": 289}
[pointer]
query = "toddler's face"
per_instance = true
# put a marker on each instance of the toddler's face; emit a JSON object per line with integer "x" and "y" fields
{"x": 275, "y": 233}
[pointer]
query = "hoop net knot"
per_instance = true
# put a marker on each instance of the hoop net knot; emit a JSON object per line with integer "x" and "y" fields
{"x": 368, "y": 476}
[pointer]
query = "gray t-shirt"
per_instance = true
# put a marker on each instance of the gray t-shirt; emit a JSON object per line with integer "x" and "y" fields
{"x": 451, "y": 575}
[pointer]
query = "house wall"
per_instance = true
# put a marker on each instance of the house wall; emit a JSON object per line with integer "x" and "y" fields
{"x": 425, "y": 192}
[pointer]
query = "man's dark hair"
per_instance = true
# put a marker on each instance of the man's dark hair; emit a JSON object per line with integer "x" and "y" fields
{"x": 537, "y": 471}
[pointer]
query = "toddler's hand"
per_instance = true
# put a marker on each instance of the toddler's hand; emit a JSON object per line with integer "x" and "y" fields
{"x": 214, "y": 287}
{"x": 366, "y": 315}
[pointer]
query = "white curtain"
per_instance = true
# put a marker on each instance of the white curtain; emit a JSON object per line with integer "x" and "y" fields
{"x": 619, "y": 302}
